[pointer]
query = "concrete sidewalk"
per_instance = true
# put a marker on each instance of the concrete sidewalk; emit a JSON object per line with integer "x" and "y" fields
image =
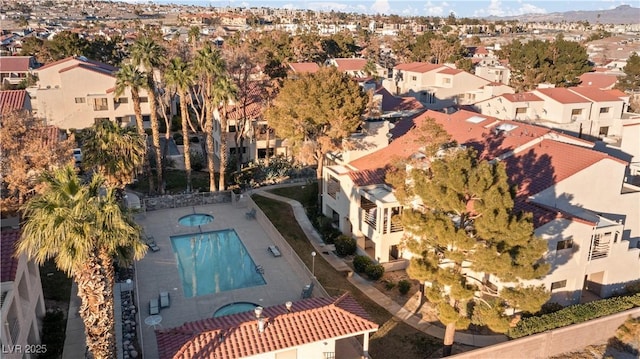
{"x": 367, "y": 287}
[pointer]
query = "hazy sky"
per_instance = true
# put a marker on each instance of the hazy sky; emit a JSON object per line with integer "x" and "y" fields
{"x": 462, "y": 8}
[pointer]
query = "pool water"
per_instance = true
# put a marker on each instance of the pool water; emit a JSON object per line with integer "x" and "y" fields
{"x": 194, "y": 220}
{"x": 234, "y": 308}
{"x": 213, "y": 262}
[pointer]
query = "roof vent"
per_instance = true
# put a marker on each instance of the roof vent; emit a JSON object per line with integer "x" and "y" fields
{"x": 288, "y": 305}
{"x": 261, "y": 325}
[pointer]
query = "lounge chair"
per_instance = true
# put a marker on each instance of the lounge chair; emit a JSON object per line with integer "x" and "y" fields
{"x": 307, "y": 291}
{"x": 251, "y": 214}
{"x": 164, "y": 300}
{"x": 275, "y": 251}
{"x": 154, "y": 308}
{"x": 151, "y": 243}
{"x": 259, "y": 269}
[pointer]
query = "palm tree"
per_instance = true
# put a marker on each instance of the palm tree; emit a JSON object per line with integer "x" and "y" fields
{"x": 82, "y": 227}
{"x": 115, "y": 152}
{"x": 130, "y": 77}
{"x": 179, "y": 75}
{"x": 209, "y": 65}
{"x": 224, "y": 91}
{"x": 145, "y": 52}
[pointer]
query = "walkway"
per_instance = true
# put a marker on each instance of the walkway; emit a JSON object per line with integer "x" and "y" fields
{"x": 367, "y": 287}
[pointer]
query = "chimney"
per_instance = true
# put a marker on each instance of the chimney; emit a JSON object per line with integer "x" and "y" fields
{"x": 261, "y": 325}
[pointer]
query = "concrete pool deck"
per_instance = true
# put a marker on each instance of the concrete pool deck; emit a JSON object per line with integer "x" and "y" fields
{"x": 157, "y": 271}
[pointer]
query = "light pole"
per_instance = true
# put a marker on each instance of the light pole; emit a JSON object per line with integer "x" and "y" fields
{"x": 313, "y": 264}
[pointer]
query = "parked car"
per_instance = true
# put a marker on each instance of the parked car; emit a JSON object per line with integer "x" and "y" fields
{"x": 77, "y": 156}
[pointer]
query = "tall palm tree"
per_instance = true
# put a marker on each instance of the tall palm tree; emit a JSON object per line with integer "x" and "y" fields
{"x": 115, "y": 152}
{"x": 146, "y": 53}
{"x": 224, "y": 91}
{"x": 130, "y": 77}
{"x": 82, "y": 227}
{"x": 209, "y": 65}
{"x": 180, "y": 76}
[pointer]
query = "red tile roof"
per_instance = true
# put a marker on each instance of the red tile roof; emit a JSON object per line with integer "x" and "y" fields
{"x": 237, "y": 336}
{"x": 618, "y": 93}
{"x": 350, "y": 64}
{"x": 562, "y": 95}
{"x": 393, "y": 103}
{"x": 254, "y": 94}
{"x": 8, "y": 263}
{"x": 12, "y": 100}
{"x": 450, "y": 71}
{"x": 14, "y": 63}
{"x": 598, "y": 80}
{"x": 304, "y": 67}
{"x": 90, "y": 67}
{"x": 418, "y": 67}
{"x": 595, "y": 94}
{"x": 521, "y": 97}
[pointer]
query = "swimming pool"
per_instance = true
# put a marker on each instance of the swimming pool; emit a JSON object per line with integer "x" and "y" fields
{"x": 213, "y": 262}
{"x": 234, "y": 308}
{"x": 196, "y": 219}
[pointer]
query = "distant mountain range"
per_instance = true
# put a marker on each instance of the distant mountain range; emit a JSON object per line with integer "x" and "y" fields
{"x": 624, "y": 14}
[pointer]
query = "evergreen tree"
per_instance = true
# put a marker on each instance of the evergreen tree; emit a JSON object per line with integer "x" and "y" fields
{"x": 465, "y": 229}
{"x": 631, "y": 79}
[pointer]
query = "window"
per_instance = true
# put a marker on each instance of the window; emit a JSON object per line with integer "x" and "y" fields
{"x": 414, "y": 78}
{"x": 232, "y": 128}
{"x": 600, "y": 245}
{"x": 576, "y": 112}
{"x": 80, "y": 100}
{"x": 144, "y": 99}
{"x": 558, "y": 285}
{"x": 565, "y": 244}
{"x": 333, "y": 187}
{"x": 100, "y": 119}
{"x": 604, "y": 131}
{"x": 604, "y": 109}
{"x": 100, "y": 104}
{"x": 446, "y": 81}
{"x": 329, "y": 355}
{"x": 262, "y": 152}
{"x": 121, "y": 100}
{"x": 521, "y": 110}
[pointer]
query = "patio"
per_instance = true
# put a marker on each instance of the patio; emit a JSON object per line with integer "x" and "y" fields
{"x": 285, "y": 275}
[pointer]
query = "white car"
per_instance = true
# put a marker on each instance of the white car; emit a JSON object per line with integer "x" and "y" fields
{"x": 77, "y": 155}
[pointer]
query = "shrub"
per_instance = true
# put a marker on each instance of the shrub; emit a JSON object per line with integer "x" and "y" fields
{"x": 197, "y": 160}
{"x": 573, "y": 314}
{"x": 345, "y": 245}
{"x": 374, "y": 271}
{"x": 360, "y": 263}
{"x": 326, "y": 229}
{"x": 389, "y": 285}
{"x": 404, "y": 286}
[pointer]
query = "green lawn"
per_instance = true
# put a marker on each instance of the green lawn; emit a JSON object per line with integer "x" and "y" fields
{"x": 394, "y": 339}
{"x": 176, "y": 181}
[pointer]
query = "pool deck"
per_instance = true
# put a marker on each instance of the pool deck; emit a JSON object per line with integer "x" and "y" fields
{"x": 158, "y": 272}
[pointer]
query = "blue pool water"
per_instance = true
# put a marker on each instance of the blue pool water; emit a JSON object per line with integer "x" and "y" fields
{"x": 234, "y": 308}
{"x": 194, "y": 220}
{"x": 213, "y": 262}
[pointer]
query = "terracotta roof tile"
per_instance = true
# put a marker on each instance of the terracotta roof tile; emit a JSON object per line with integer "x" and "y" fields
{"x": 562, "y": 95}
{"x": 237, "y": 336}
{"x": 254, "y": 93}
{"x": 598, "y": 80}
{"x": 12, "y": 100}
{"x": 418, "y": 67}
{"x": 450, "y": 71}
{"x": 618, "y": 93}
{"x": 8, "y": 263}
{"x": 521, "y": 97}
{"x": 350, "y": 64}
{"x": 14, "y": 63}
{"x": 304, "y": 67}
{"x": 595, "y": 94}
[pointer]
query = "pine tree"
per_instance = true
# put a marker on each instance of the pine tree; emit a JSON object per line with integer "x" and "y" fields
{"x": 463, "y": 230}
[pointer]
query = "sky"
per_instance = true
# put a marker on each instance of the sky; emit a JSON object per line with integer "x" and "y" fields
{"x": 461, "y": 8}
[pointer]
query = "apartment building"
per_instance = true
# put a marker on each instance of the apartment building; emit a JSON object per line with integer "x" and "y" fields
{"x": 74, "y": 92}
{"x": 15, "y": 69}
{"x": 21, "y": 299}
{"x": 579, "y": 110}
{"x": 591, "y": 221}
{"x": 438, "y": 86}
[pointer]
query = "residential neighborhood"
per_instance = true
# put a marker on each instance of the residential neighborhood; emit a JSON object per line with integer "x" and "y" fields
{"x": 185, "y": 181}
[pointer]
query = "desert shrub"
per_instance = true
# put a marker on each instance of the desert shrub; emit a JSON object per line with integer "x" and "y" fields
{"x": 374, "y": 271}
{"x": 360, "y": 263}
{"x": 345, "y": 245}
{"x": 326, "y": 229}
{"x": 404, "y": 286}
{"x": 389, "y": 285}
{"x": 177, "y": 138}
